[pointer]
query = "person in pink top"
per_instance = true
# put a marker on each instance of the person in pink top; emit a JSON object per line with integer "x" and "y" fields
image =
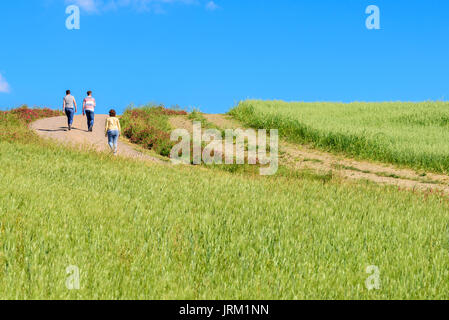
{"x": 89, "y": 105}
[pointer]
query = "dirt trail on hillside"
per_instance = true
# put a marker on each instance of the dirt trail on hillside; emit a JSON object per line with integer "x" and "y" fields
{"x": 303, "y": 157}
{"x": 291, "y": 155}
{"x": 56, "y": 129}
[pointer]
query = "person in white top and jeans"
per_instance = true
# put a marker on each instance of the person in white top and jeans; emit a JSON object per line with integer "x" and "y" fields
{"x": 69, "y": 108}
{"x": 89, "y": 105}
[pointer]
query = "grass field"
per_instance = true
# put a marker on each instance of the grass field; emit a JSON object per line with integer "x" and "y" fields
{"x": 149, "y": 231}
{"x": 410, "y": 134}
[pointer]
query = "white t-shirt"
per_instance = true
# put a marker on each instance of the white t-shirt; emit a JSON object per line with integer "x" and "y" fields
{"x": 69, "y": 101}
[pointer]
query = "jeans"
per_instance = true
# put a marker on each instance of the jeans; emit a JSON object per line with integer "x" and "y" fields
{"x": 112, "y": 139}
{"x": 90, "y": 115}
{"x": 70, "y": 112}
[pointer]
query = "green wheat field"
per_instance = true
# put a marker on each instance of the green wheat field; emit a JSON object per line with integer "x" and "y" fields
{"x": 410, "y": 134}
{"x": 140, "y": 230}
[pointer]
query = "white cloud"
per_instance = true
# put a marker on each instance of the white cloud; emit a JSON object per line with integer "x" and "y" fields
{"x": 96, "y": 6}
{"x": 212, "y": 6}
{"x": 90, "y": 6}
{"x": 4, "y": 85}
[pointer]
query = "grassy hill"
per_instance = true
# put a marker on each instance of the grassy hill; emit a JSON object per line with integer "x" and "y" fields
{"x": 149, "y": 231}
{"x": 411, "y": 134}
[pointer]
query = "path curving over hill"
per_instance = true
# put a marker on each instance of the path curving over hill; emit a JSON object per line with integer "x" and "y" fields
{"x": 56, "y": 129}
{"x": 292, "y": 155}
{"x": 303, "y": 157}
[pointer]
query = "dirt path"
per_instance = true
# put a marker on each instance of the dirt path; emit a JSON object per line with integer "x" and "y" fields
{"x": 56, "y": 129}
{"x": 292, "y": 155}
{"x": 302, "y": 157}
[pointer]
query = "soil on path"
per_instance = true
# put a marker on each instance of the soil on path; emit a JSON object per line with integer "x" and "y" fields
{"x": 292, "y": 155}
{"x": 56, "y": 128}
{"x": 304, "y": 157}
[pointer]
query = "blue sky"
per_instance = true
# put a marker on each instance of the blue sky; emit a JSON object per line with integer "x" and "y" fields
{"x": 210, "y": 55}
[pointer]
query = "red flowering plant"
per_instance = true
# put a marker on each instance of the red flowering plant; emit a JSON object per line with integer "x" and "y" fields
{"x": 13, "y": 123}
{"x": 29, "y": 115}
{"x": 149, "y": 127}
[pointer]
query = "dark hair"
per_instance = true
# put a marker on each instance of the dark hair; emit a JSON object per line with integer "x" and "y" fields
{"x": 112, "y": 113}
{"x": 89, "y": 93}
{"x": 67, "y": 92}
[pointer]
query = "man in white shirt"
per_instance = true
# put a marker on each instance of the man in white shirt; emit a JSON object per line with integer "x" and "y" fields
{"x": 89, "y": 105}
{"x": 69, "y": 108}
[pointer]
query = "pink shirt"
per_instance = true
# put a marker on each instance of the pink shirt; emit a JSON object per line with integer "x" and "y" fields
{"x": 89, "y": 103}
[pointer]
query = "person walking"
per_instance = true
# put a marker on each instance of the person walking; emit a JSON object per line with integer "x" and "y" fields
{"x": 69, "y": 108}
{"x": 89, "y": 105}
{"x": 112, "y": 130}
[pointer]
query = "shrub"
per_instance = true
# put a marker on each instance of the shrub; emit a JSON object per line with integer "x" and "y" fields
{"x": 148, "y": 126}
{"x": 29, "y": 115}
{"x": 13, "y": 123}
